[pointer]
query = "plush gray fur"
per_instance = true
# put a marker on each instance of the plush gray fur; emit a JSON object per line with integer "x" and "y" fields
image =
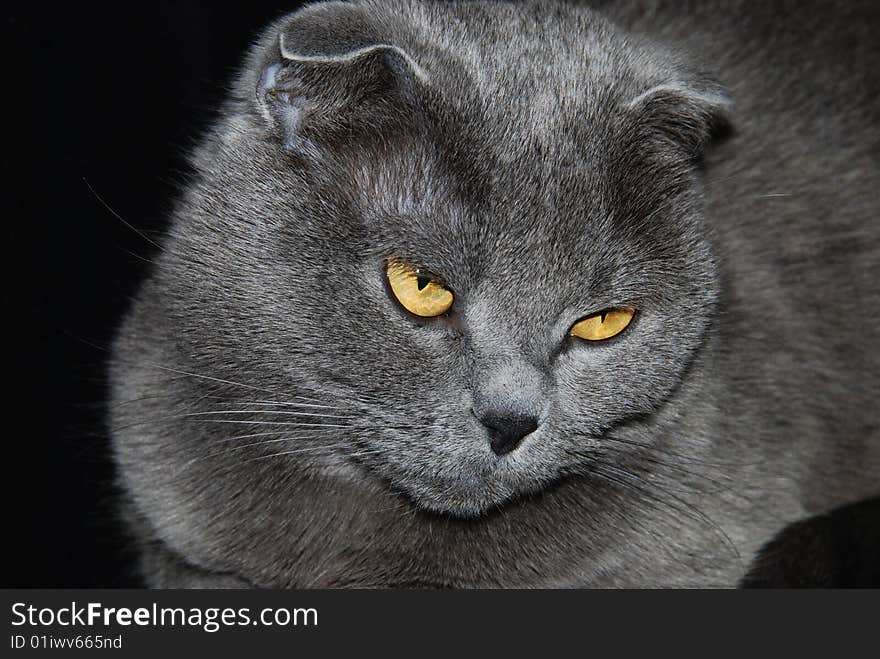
{"x": 279, "y": 421}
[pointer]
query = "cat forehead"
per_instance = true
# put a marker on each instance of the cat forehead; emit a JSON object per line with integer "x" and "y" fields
{"x": 527, "y": 66}
{"x": 520, "y": 219}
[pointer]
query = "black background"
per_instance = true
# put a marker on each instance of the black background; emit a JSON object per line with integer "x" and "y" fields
{"x": 111, "y": 96}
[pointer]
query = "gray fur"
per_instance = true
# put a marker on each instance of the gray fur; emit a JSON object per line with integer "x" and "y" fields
{"x": 548, "y": 161}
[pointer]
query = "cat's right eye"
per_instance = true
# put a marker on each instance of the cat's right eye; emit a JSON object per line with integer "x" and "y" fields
{"x": 418, "y": 291}
{"x": 603, "y": 325}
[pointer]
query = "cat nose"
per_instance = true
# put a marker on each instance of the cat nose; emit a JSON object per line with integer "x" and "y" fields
{"x": 506, "y": 431}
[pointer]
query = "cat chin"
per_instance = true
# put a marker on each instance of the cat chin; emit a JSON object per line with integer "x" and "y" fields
{"x": 472, "y": 508}
{"x": 468, "y": 501}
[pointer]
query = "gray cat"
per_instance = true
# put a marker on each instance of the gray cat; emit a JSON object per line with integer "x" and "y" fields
{"x": 489, "y": 294}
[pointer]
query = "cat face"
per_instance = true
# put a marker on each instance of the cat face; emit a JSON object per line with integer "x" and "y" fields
{"x": 533, "y": 189}
{"x": 432, "y": 393}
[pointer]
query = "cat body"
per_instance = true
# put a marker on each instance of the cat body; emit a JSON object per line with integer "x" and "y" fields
{"x": 279, "y": 421}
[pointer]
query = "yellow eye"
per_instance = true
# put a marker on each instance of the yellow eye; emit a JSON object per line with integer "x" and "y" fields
{"x": 601, "y": 326}
{"x": 417, "y": 291}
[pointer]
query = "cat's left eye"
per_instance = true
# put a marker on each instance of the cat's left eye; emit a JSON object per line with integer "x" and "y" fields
{"x": 418, "y": 292}
{"x": 603, "y": 325}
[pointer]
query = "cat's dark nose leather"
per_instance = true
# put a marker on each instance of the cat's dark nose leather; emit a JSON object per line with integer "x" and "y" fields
{"x": 506, "y": 431}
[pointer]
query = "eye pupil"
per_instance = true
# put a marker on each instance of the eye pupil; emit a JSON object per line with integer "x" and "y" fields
{"x": 602, "y": 316}
{"x": 422, "y": 281}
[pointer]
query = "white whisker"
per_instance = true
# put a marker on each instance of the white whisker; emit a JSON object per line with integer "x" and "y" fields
{"x": 273, "y": 412}
{"x": 288, "y": 404}
{"x": 289, "y": 424}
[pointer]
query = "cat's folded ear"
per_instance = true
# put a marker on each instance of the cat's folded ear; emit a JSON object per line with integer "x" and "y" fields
{"x": 331, "y": 73}
{"x": 685, "y": 113}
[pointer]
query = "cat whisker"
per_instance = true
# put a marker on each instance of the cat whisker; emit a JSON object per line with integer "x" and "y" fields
{"x": 286, "y": 424}
{"x": 226, "y": 399}
{"x": 269, "y": 412}
{"x": 207, "y": 378}
{"x": 685, "y": 507}
{"x": 245, "y": 446}
{"x": 188, "y": 405}
{"x": 718, "y": 486}
{"x": 249, "y": 436}
{"x": 141, "y": 399}
{"x": 673, "y": 454}
{"x": 167, "y": 368}
{"x": 272, "y": 403}
{"x": 271, "y": 441}
{"x": 663, "y": 541}
{"x": 381, "y": 426}
{"x": 307, "y": 449}
{"x": 248, "y": 422}
{"x": 119, "y": 217}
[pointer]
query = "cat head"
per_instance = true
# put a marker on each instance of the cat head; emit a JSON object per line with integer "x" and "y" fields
{"x": 466, "y": 238}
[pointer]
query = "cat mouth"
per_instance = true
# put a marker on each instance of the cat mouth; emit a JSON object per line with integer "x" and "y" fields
{"x": 458, "y": 474}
